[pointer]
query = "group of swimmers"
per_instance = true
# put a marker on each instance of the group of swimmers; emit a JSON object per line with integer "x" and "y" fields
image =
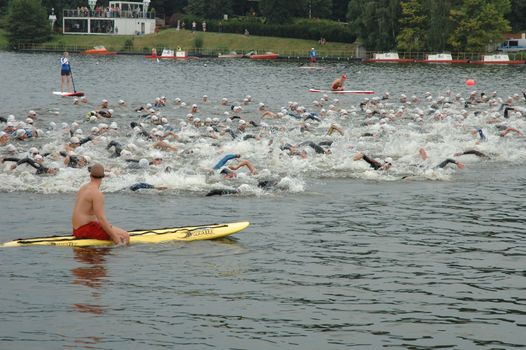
{"x": 192, "y": 135}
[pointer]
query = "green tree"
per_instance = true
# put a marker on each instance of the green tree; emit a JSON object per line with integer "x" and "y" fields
{"x": 375, "y": 22}
{"x": 213, "y": 9}
{"x": 440, "y": 25}
{"x": 27, "y": 22}
{"x": 478, "y": 23}
{"x": 339, "y": 10}
{"x": 318, "y": 8}
{"x": 517, "y": 15}
{"x": 277, "y": 11}
{"x": 413, "y": 23}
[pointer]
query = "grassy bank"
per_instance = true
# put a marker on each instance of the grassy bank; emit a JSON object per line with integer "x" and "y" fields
{"x": 216, "y": 42}
{"x": 3, "y": 39}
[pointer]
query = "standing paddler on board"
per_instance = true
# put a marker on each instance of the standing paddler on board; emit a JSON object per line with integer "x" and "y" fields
{"x": 337, "y": 85}
{"x": 65, "y": 71}
{"x": 312, "y": 56}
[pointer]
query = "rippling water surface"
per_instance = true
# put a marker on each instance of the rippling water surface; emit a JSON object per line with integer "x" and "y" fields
{"x": 345, "y": 262}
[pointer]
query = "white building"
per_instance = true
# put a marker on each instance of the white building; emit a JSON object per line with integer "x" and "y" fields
{"x": 120, "y": 17}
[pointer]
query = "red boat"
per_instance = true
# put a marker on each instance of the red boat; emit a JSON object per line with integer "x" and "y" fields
{"x": 264, "y": 56}
{"x": 389, "y": 57}
{"x": 497, "y": 59}
{"x": 99, "y": 50}
{"x": 441, "y": 58}
{"x": 168, "y": 54}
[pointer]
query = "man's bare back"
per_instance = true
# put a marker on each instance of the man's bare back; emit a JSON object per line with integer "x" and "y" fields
{"x": 83, "y": 210}
{"x": 89, "y": 210}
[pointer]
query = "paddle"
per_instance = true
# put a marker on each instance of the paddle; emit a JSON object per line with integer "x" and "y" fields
{"x": 72, "y": 81}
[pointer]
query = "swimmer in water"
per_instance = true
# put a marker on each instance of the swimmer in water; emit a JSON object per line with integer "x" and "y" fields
{"x": 473, "y": 152}
{"x": 337, "y": 85}
{"x": 36, "y": 163}
{"x": 229, "y": 171}
{"x": 146, "y": 186}
{"x": 88, "y": 219}
{"x": 376, "y": 165}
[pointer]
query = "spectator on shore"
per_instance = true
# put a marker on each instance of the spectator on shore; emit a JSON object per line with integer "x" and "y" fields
{"x": 220, "y": 26}
{"x": 204, "y": 26}
{"x": 194, "y": 26}
{"x": 246, "y": 32}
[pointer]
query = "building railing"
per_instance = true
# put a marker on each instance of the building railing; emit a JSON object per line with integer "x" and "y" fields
{"x": 108, "y": 13}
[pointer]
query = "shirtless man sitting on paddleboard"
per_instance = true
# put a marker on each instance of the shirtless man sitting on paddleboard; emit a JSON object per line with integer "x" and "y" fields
{"x": 88, "y": 219}
{"x": 337, "y": 85}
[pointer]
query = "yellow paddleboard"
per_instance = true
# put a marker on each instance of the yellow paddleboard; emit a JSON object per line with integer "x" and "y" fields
{"x": 190, "y": 233}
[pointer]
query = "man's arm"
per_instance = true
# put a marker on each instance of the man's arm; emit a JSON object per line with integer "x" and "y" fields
{"x": 98, "y": 210}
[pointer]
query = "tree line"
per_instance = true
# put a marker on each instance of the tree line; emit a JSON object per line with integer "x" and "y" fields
{"x": 408, "y": 25}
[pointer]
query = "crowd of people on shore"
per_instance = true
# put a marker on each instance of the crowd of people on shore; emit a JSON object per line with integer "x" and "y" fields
{"x": 232, "y": 143}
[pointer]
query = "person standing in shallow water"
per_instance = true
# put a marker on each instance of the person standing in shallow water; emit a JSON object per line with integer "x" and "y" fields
{"x": 88, "y": 219}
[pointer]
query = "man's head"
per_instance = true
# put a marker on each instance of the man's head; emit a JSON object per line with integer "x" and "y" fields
{"x": 96, "y": 171}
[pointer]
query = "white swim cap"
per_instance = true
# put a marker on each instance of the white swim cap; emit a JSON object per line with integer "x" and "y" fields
{"x": 110, "y": 110}
{"x": 104, "y": 101}
{"x": 143, "y": 163}
{"x": 189, "y": 116}
{"x": 227, "y": 113}
{"x": 32, "y": 112}
{"x": 74, "y": 125}
{"x": 197, "y": 120}
{"x": 164, "y": 120}
{"x": 242, "y": 122}
{"x": 154, "y": 118}
{"x": 183, "y": 104}
{"x": 194, "y": 106}
{"x": 29, "y": 120}
{"x": 125, "y": 153}
{"x": 11, "y": 148}
{"x": 78, "y": 132}
{"x": 389, "y": 160}
{"x": 74, "y": 139}
{"x": 157, "y": 99}
{"x": 33, "y": 150}
{"x": 92, "y": 119}
{"x": 2, "y": 133}
{"x": 94, "y": 130}
{"x": 121, "y": 102}
{"x": 148, "y": 105}
{"x": 11, "y": 118}
{"x": 103, "y": 126}
{"x": 114, "y": 125}
{"x": 210, "y": 129}
{"x": 20, "y": 132}
{"x": 38, "y": 157}
{"x": 87, "y": 159}
{"x": 208, "y": 120}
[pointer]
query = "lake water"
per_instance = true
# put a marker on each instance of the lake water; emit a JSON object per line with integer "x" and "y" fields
{"x": 340, "y": 256}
